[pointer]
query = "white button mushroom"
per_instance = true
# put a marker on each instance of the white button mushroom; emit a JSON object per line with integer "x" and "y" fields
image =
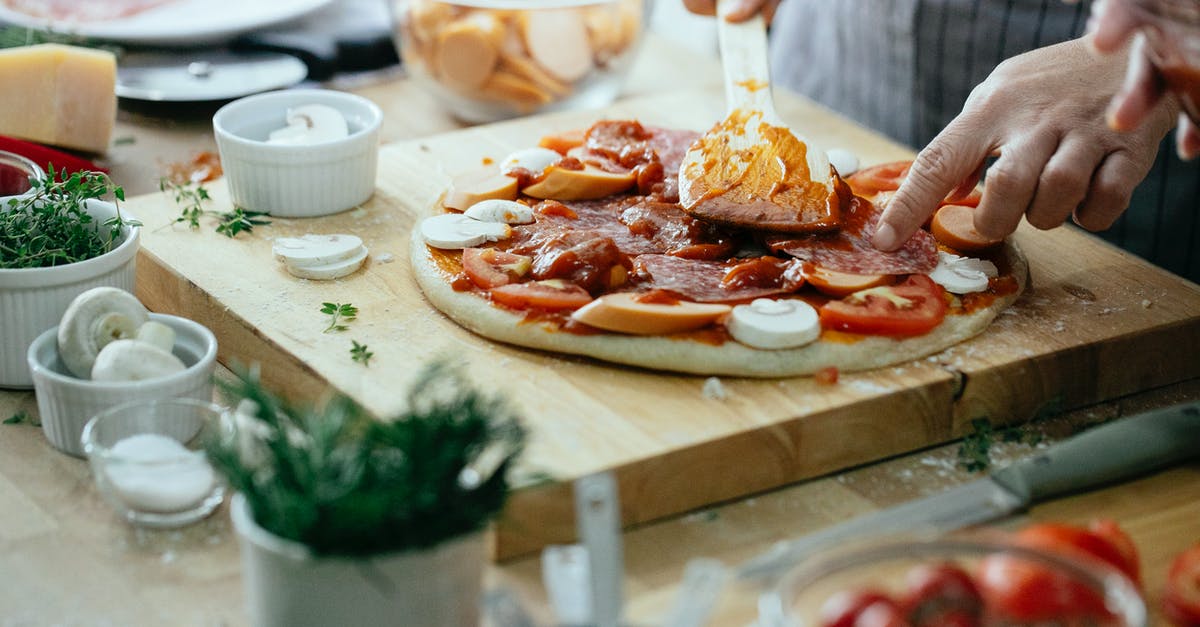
{"x": 156, "y": 334}
{"x": 962, "y": 275}
{"x": 498, "y": 210}
{"x": 535, "y": 160}
{"x": 329, "y": 271}
{"x": 455, "y": 230}
{"x": 131, "y": 360}
{"x": 310, "y": 124}
{"x": 94, "y": 319}
{"x": 774, "y": 324}
{"x": 842, "y": 160}
{"x": 316, "y": 250}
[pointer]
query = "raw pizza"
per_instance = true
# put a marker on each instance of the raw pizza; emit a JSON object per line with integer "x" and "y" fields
{"x": 580, "y": 246}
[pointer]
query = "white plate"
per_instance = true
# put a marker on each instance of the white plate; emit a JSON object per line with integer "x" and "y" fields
{"x": 179, "y": 22}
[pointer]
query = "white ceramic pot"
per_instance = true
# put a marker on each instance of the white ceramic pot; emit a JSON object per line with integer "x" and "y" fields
{"x": 287, "y": 586}
{"x": 34, "y": 299}
{"x": 66, "y": 403}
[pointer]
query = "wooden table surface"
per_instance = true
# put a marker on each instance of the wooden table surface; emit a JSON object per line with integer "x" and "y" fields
{"x": 66, "y": 558}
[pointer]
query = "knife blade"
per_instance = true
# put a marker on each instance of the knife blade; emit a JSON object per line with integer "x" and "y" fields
{"x": 1116, "y": 451}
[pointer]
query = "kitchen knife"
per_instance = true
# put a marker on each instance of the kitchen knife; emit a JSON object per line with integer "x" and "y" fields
{"x": 1112, "y": 452}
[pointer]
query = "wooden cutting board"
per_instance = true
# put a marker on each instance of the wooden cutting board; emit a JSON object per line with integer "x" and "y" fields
{"x": 1096, "y": 324}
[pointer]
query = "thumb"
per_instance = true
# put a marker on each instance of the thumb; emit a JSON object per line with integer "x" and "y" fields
{"x": 949, "y": 159}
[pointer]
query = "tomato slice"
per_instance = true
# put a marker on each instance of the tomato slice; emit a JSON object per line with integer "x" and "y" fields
{"x": 914, "y": 307}
{"x": 1021, "y": 591}
{"x": 1181, "y": 598}
{"x": 940, "y": 594}
{"x": 550, "y": 295}
{"x": 1103, "y": 541}
{"x": 844, "y": 608}
{"x": 488, "y": 267}
{"x": 885, "y": 177}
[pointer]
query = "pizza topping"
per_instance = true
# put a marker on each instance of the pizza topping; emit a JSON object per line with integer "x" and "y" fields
{"x": 455, "y": 230}
{"x": 316, "y": 250}
{"x": 478, "y": 185}
{"x": 562, "y": 183}
{"x": 535, "y": 160}
{"x": 914, "y": 307}
{"x": 703, "y": 281}
{"x": 849, "y": 249}
{"x": 551, "y": 295}
{"x": 564, "y": 141}
{"x": 842, "y": 160}
{"x": 627, "y": 312}
{"x": 488, "y": 267}
{"x": 763, "y": 271}
{"x": 497, "y": 210}
{"x": 578, "y": 256}
{"x": 885, "y": 177}
{"x": 774, "y": 324}
{"x": 963, "y": 275}
{"x": 839, "y": 284}
{"x": 954, "y": 226}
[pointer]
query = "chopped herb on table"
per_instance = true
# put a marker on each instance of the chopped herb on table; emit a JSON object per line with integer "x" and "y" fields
{"x": 359, "y": 353}
{"x": 49, "y": 226}
{"x": 193, "y": 197}
{"x": 16, "y": 418}
{"x": 338, "y": 313}
{"x": 974, "y": 453}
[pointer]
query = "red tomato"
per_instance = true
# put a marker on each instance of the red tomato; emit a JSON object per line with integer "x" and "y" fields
{"x": 1181, "y": 598}
{"x": 940, "y": 594}
{"x": 914, "y": 307}
{"x": 552, "y": 295}
{"x": 885, "y": 177}
{"x": 1024, "y": 591}
{"x": 843, "y": 608}
{"x": 488, "y": 267}
{"x": 1103, "y": 540}
{"x": 826, "y": 376}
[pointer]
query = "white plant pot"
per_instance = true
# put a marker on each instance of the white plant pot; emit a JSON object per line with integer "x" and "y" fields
{"x": 287, "y": 586}
{"x": 34, "y": 299}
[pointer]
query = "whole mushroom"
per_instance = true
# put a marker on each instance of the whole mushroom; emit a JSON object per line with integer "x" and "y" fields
{"x": 92, "y": 321}
{"x": 134, "y": 360}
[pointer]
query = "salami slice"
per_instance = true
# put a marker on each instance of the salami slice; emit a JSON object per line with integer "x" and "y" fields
{"x": 849, "y": 249}
{"x": 706, "y": 281}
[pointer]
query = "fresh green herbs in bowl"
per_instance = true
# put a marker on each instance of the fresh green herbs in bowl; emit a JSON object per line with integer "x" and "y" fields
{"x": 342, "y": 482}
{"x": 50, "y": 225}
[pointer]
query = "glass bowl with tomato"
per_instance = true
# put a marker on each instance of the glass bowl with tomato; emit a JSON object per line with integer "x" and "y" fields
{"x": 969, "y": 580}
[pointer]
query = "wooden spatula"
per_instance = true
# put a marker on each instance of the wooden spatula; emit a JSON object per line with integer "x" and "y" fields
{"x": 750, "y": 170}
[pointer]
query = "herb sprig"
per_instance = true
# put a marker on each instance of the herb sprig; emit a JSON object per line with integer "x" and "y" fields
{"x": 50, "y": 226}
{"x": 193, "y": 197}
{"x": 359, "y": 353}
{"x": 338, "y": 314}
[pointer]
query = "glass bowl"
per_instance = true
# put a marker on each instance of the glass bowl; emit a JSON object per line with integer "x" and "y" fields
{"x": 487, "y": 60}
{"x": 149, "y": 463}
{"x": 17, "y": 174}
{"x": 923, "y": 579}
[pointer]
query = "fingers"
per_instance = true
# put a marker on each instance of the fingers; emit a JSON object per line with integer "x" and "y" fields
{"x": 1064, "y": 182}
{"x": 1111, "y": 24}
{"x": 743, "y": 10}
{"x": 1187, "y": 138}
{"x": 701, "y": 7}
{"x": 1112, "y": 186}
{"x": 1142, "y": 90}
{"x": 951, "y": 157}
{"x": 1011, "y": 184}
{"x": 967, "y": 186}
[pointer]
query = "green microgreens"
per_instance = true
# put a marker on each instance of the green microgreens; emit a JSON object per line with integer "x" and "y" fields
{"x": 192, "y": 198}
{"x": 50, "y": 226}
{"x": 359, "y": 353}
{"x": 338, "y": 314}
{"x": 17, "y": 418}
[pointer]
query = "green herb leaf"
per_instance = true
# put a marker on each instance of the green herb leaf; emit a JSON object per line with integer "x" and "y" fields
{"x": 338, "y": 313}
{"x": 192, "y": 197}
{"x": 359, "y": 353}
{"x": 17, "y": 418}
{"x": 974, "y": 451}
{"x": 49, "y": 225}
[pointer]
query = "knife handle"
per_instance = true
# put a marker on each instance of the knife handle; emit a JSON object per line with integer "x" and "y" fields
{"x": 1108, "y": 453}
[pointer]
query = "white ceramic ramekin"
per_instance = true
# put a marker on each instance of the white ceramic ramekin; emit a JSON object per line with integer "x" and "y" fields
{"x": 66, "y": 403}
{"x": 32, "y": 299}
{"x": 297, "y": 181}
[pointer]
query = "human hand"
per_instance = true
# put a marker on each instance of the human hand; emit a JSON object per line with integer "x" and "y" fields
{"x": 741, "y": 11}
{"x": 1112, "y": 24}
{"x": 1042, "y": 111}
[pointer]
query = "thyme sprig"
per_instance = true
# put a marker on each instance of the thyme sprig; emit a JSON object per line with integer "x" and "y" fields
{"x": 338, "y": 313}
{"x": 343, "y": 482}
{"x": 192, "y": 198}
{"x": 359, "y": 353}
{"x": 50, "y": 226}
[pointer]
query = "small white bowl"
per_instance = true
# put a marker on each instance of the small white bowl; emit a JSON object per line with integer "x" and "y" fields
{"x": 297, "y": 181}
{"x": 66, "y": 403}
{"x": 31, "y": 296}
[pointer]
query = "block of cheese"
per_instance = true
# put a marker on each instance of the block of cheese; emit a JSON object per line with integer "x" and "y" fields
{"x": 59, "y": 95}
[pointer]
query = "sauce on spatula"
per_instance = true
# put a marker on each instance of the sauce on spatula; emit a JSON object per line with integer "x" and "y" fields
{"x": 750, "y": 170}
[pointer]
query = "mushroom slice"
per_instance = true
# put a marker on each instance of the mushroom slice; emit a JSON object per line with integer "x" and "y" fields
{"x": 132, "y": 360}
{"x": 93, "y": 320}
